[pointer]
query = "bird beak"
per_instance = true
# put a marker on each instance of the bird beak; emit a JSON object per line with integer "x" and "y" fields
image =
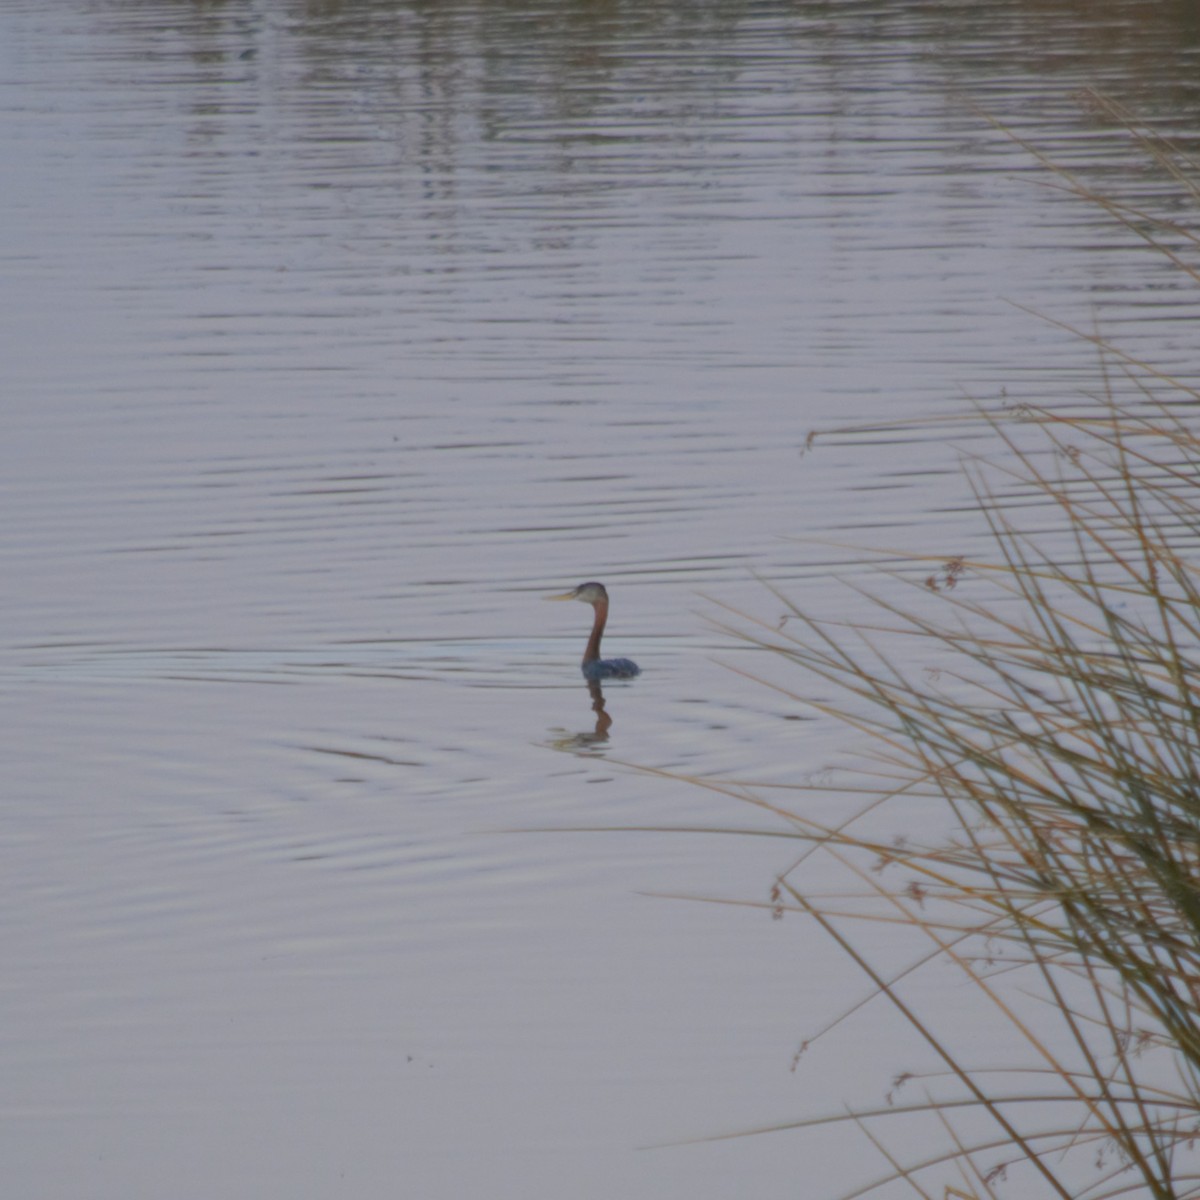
{"x": 560, "y": 596}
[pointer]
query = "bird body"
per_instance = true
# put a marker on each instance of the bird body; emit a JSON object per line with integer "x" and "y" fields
{"x": 593, "y": 666}
{"x": 611, "y": 668}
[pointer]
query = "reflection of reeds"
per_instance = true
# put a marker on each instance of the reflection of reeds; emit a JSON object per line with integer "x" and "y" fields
{"x": 1062, "y": 730}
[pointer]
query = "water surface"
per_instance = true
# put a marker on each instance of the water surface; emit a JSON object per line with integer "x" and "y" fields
{"x": 336, "y": 335}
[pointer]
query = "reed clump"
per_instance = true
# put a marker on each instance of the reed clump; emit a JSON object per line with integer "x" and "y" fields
{"x": 1060, "y": 735}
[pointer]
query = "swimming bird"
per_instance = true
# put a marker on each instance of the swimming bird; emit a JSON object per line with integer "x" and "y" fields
{"x": 593, "y": 666}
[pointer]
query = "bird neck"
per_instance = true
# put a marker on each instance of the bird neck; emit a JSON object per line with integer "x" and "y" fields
{"x": 592, "y": 653}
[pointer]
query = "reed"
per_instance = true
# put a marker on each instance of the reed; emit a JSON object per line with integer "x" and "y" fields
{"x": 1060, "y": 735}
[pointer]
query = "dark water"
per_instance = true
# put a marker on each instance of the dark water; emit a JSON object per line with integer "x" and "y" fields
{"x": 336, "y": 334}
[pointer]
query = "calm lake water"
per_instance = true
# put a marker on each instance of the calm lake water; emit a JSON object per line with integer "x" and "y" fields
{"x": 336, "y": 334}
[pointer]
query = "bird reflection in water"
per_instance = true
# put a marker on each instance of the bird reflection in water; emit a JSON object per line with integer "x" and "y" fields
{"x": 587, "y": 739}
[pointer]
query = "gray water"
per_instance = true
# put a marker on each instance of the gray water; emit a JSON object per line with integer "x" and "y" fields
{"x": 334, "y": 335}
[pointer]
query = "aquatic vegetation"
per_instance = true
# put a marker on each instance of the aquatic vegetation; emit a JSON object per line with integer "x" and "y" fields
{"x": 1053, "y": 718}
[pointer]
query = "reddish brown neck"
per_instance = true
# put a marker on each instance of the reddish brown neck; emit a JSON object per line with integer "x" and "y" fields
{"x": 592, "y": 653}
